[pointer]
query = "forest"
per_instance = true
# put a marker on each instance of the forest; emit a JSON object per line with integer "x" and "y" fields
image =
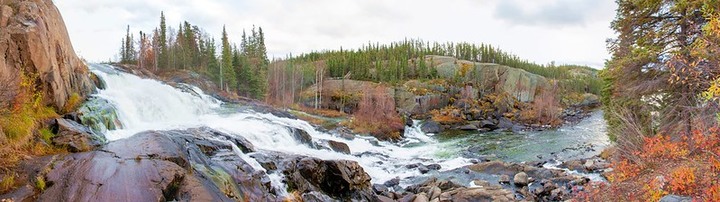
{"x": 240, "y": 69}
{"x": 401, "y": 61}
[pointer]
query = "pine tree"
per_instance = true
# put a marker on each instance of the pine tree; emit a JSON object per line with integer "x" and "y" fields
{"x": 162, "y": 43}
{"x": 227, "y": 71}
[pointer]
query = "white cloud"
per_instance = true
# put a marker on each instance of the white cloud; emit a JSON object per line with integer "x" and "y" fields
{"x": 564, "y": 31}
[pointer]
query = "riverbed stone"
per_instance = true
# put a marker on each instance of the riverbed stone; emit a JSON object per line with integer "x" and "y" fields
{"x": 521, "y": 179}
{"x": 504, "y": 179}
{"x": 339, "y": 147}
{"x": 430, "y": 126}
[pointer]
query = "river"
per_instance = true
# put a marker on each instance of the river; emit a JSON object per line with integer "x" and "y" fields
{"x": 145, "y": 104}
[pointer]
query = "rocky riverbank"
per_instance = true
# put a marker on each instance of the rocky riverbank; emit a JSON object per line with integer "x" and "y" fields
{"x": 208, "y": 165}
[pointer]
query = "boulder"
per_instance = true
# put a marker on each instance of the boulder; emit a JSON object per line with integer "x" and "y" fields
{"x": 675, "y": 198}
{"x": 76, "y": 137}
{"x": 34, "y": 41}
{"x": 488, "y": 124}
{"x": 576, "y": 165}
{"x": 434, "y": 166}
{"x": 339, "y": 147}
{"x": 430, "y": 126}
{"x": 421, "y": 197}
{"x": 433, "y": 193}
{"x": 393, "y": 182}
{"x": 302, "y": 137}
{"x": 504, "y": 123}
{"x": 493, "y": 193}
{"x": 179, "y": 165}
{"x": 469, "y": 127}
{"x": 98, "y": 114}
{"x": 423, "y": 169}
{"x": 521, "y": 179}
{"x": 340, "y": 179}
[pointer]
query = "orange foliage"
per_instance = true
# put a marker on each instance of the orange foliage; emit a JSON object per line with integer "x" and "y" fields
{"x": 448, "y": 115}
{"x": 660, "y": 147}
{"x": 624, "y": 169}
{"x": 691, "y": 166}
{"x": 654, "y": 189}
{"x": 682, "y": 180}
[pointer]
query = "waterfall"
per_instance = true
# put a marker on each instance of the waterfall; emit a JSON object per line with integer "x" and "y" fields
{"x": 146, "y": 104}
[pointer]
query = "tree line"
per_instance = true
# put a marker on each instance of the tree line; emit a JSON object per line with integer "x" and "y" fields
{"x": 405, "y": 60}
{"x": 234, "y": 68}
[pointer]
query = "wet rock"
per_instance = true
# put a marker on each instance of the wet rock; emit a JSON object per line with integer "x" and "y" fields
{"x": 347, "y": 136}
{"x": 521, "y": 179}
{"x": 504, "y": 179}
{"x": 339, "y": 147}
{"x": 76, "y": 137}
{"x": 316, "y": 197}
{"x": 675, "y": 198}
{"x": 339, "y": 179}
{"x": 504, "y": 123}
{"x": 576, "y": 165}
{"x": 423, "y": 169}
{"x": 414, "y": 165}
{"x": 302, "y": 137}
{"x": 379, "y": 188}
{"x": 182, "y": 165}
{"x": 434, "y": 166}
{"x": 98, "y": 114}
{"x": 488, "y": 124}
{"x": 392, "y": 183}
{"x": 430, "y": 126}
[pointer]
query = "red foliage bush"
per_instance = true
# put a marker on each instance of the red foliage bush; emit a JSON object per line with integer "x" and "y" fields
{"x": 377, "y": 115}
{"x": 689, "y": 166}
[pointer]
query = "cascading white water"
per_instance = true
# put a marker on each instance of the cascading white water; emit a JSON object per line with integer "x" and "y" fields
{"x": 145, "y": 104}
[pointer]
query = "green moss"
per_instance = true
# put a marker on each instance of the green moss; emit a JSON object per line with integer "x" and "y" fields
{"x": 40, "y": 183}
{"x": 46, "y": 135}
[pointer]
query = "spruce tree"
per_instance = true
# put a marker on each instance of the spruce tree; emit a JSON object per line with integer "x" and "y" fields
{"x": 227, "y": 71}
{"x": 162, "y": 43}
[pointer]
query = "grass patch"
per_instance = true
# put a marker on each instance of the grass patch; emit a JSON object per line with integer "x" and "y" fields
{"x": 72, "y": 103}
{"x": 7, "y": 183}
{"x": 46, "y": 135}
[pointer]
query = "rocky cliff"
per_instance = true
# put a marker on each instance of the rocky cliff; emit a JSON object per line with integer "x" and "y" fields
{"x": 415, "y": 97}
{"x": 34, "y": 46}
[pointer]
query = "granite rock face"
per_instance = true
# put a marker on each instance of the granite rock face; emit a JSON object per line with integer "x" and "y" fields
{"x": 34, "y": 44}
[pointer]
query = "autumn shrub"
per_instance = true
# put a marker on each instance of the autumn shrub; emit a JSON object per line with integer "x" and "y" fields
{"x": 688, "y": 166}
{"x": 448, "y": 115}
{"x": 376, "y": 115}
{"x": 682, "y": 180}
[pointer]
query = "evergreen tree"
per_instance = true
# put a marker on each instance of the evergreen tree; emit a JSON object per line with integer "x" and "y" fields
{"x": 162, "y": 43}
{"x": 227, "y": 71}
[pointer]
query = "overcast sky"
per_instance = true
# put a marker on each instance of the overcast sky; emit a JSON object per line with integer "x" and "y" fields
{"x": 564, "y": 31}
